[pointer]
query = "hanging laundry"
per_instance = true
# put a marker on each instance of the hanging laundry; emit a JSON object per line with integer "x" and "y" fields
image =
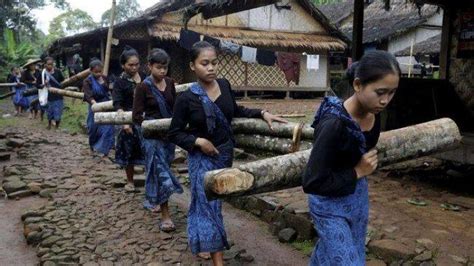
{"x": 229, "y": 47}
{"x": 312, "y": 62}
{"x": 249, "y": 54}
{"x": 289, "y": 63}
{"x": 266, "y": 57}
{"x": 215, "y": 42}
{"x": 187, "y": 38}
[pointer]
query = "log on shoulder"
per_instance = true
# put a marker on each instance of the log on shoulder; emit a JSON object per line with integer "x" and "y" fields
{"x": 285, "y": 171}
{"x": 113, "y": 118}
{"x": 103, "y": 107}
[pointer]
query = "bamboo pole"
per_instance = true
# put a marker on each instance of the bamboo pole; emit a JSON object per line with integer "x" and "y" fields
{"x": 285, "y": 171}
{"x": 67, "y": 93}
{"x": 8, "y": 84}
{"x": 6, "y": 95}
{"x": 108, "y": 46}
{"x": 78, "y": 77}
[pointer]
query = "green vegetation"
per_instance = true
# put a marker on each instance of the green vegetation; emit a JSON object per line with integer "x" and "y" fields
{"x": 74, "y": 116}
{"x": 305, "y": 246}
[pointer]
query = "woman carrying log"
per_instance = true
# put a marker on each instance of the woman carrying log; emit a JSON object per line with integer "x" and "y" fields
{"x": 52, "y": 77}
{"x": 208, "y": 107}
{"x": 19, "y": 101}
{"x": 128, "y": 149}
{"x": 96, "y": 90}
{"x": 30, "y": 77}
{"x": 154, "y": 99}
{"x": 343, "y": 155}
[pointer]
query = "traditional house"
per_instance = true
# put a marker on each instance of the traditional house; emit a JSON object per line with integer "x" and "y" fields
{"x": 392, "y": 27}
{"x": 290, "y": 26}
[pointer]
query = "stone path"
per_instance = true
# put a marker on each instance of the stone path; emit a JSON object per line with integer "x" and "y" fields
{"x": 82, "y": 214}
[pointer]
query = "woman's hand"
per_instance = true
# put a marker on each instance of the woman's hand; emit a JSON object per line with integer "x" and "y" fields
{"x": 269, "y": 118}
{"x": 367, "y": 164}
{"x": 206, "y": 147}
{"x": 93, "y": 102}
{"x": 128, "y": 129}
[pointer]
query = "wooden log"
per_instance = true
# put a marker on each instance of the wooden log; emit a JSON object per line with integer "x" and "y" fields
{"x": 7, "y": 84}
{"x": 113, "y": 118}
{"x": 156, "y": 128}
{"x": 67, "y": 93}
{"x": 103, "y": 107}
{"x": 270, "y": 144}
{"x": 78, "y": 77}
{"x": 108, "y": 106}
{"x": 6, "y": 95}
{"x": 285, "y": 171}
{"x": 260, "y": 127}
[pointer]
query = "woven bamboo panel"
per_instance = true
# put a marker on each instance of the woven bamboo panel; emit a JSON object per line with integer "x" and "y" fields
{"x": 232, "y": 68}
{"x": 178, "y": 65}
{"x": 265, "y": 76}
{"x": 138, "y": 32}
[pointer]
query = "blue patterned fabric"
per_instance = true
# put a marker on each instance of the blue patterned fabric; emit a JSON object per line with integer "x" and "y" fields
{"x": 341, "y": 222}
{"x": 165, "y": 109}
{"x": 128, "y": 148}
{"x": 206, "y": 232}
{"x": 55, "y": 110}
{"x": 212, "y": 111}
{"x": 35, "y": 106}
{"x": 334, "y": 106}
{"x": 101, "y": 137}
{"x": 160, "y": 182}
{"x": 18, "y": 98}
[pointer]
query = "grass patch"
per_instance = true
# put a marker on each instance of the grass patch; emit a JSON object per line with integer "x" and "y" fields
{"x": 74, "y": 116}
{"x": 305, "y": 246}
{"x": 7, "y": 122}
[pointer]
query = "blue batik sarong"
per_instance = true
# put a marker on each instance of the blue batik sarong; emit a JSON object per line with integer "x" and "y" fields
{"x": 55, "y": 107}
{"x": 206, "y": 231}
{"x": 341, "y": 222}
{"x": 101, "y": 137}
{"x": 160, "y": 182}
{"x": 55, "y": 110}
{"x": 32, "y": 106}
{"x": 18, "y": 98}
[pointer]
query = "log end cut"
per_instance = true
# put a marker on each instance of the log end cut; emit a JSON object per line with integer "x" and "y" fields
{"x": 227, "y": 181}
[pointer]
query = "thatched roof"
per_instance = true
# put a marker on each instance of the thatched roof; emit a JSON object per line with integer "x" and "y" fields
{"x": 245, "y": 36}
{"x": 429, "y": 46}
{"x": 137, "y": 28}
{"x": 337, "y": 12}
{"x": 379, "y": 23}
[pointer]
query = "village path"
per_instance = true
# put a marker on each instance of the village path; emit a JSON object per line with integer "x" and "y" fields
{"x": 82, "y": 215}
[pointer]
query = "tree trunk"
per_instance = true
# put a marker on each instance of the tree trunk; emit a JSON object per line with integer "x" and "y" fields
{"x": 260, "y": 127}
{"x": 78, "y": 77}
{"x": 113, "y": 118}
{"x": 6, "y": 95}
{"x": 103, "y": 107}
{"x": 108, "y": 106}
{"x": 285, "y": 171}
{"x": 67, "y": 93}
{"x": 156, "y": 128}
{"x": 270, "y": 144}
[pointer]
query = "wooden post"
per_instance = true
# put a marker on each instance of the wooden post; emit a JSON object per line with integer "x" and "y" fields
{"x": 108, "y": 46}
{"x": 445, "y": 44}
{"x": 410, "y": 64}
{"x": 102, "y": 52}
{"x": 357, "y": 30}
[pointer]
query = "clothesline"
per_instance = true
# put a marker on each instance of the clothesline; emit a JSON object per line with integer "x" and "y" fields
{"x": 289, "y": 63}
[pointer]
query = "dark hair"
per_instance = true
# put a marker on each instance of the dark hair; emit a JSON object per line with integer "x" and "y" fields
{"x": 95, "y": 63}
{"x": 373, "y": 66}
{"x": 159, "y": 56}
{"x": 198, "y": 47}
{"x": 128, "y": 52}
{"x": 48, "y": 58}
{"x": 13, "y": 68}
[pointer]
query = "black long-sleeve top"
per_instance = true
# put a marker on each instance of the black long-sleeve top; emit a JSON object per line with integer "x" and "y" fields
{"x": 123, "y": 91}
{"x": 88, "y": 92}
{"x": 29, "y": 78}
{"x": 188, "y": 110}
{"x": 144, "y": 102}
{"x": 330, "y": 169}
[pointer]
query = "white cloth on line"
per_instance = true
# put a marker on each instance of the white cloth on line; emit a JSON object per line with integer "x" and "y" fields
{"x": 312, "y": 61}
{"x": 249, "y": 54}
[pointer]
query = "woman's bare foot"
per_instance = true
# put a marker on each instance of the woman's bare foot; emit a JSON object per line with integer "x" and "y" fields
{"x": 204, "y": 255}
